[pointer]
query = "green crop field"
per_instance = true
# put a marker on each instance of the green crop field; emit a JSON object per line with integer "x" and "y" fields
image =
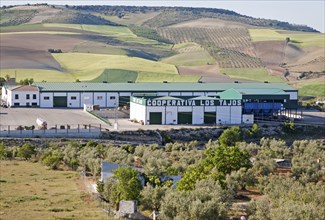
{"x": 312, "y": 87}
{"x": 89, "y": 66}
{"x": 297, "y": 38}
{"x": 119, "y": 32}
{"x": 38, "y": 75}
{"x": 195, "y": 58}
{"x": 116, "y": 75}
{"x": 31, "y": 191}
{"x": 255, "y": 74}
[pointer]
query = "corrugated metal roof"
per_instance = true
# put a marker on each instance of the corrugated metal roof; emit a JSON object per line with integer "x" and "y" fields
{"x": 167, "y": 98}
{"x": 155, "y": 86}
{"x": 262, "y": 91}
{"x": 230, "y": 94}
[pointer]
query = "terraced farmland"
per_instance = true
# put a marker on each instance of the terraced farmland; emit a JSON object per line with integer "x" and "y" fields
{"x": 231, "y": 47}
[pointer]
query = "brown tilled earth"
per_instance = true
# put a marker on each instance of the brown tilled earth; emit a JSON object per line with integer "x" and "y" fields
{"x": 271, "y": 52}
{"x": 31, "y": 50}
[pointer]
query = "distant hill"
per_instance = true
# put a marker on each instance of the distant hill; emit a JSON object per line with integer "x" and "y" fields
{"x": 166, "y": 16}
{"x": 126, "y": 43}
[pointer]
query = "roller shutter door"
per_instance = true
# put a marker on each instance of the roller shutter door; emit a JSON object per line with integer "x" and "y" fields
{"x": 59, "y": 101}
{"x": 155, "y": 118}
{"x": 184, "y": 117}
{"x": 209, "y": 117}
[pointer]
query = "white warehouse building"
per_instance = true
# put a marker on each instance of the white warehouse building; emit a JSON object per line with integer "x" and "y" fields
{"x": 164, "y": 103}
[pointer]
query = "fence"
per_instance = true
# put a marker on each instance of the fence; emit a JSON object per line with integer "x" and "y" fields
{"x": 68, "y": 130}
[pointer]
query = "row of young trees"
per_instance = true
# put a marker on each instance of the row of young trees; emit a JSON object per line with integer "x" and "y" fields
{"x": 210, "y": 178}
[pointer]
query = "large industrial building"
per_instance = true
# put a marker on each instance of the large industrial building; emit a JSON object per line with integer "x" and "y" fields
{"x": 164, "y": 103}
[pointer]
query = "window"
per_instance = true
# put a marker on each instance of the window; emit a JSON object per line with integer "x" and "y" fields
{"x": 34, "y": 96}
{"x": 27, "y": 96}
{"x": 73, "y": 97}
{"x": 112, "y": 97}
{"x": 99, "y": 97}
{"x": 16, "y": 104}
{"x": 16, "y": 96}
{"x": 34, "y": 104}
{"x": 27, "y": 104}
{"x": 46, "y": 98}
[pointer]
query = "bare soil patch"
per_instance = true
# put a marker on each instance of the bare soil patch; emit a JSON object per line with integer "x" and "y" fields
{"x": 31, "y": 51}
{"x": 13, "y": 57}
{"x": 271, "y": 52}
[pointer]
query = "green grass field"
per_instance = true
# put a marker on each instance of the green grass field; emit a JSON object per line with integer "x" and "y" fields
{"x": 297, "y": 38}
{"x": 255, "y": 74}
{"x": 38, "y": 75}
{"x": 119, "y": 32}
{"x": 94, "y": 67}
{"x": 31, "y": 191}
{"x": 86, "y": 67}
{"x": 195, "y": 58}
{"x": 311, "y": 87}
{"x": 116, "y": 75}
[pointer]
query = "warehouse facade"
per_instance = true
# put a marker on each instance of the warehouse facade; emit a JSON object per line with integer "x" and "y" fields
{"x": 166, "y": 103}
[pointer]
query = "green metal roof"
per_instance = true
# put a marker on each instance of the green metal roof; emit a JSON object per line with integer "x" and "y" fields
{"x": 262, "y": 92}
{"x": 155, "y": 86}
{"x": 230, "y": 94}
{"x": 204, "y": 98}
{"x": 167, "y": 98}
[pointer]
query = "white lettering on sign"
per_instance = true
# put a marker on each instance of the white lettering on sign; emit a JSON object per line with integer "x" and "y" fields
{"x": 194, "y": 102}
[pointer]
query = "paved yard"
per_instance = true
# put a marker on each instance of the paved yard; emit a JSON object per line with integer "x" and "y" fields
{"x": 28, "y": 116}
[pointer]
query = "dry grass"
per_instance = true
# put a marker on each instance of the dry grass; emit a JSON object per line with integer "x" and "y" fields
{"x": 31, "y": 191}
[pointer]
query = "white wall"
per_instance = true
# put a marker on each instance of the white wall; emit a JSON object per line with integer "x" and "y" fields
{"x": 171, "y": 115}
{"x": 198, "y": 93}
{"x": 22, "y": 98}
{"x": 125, "y": 93}
{"x": 162, "y": 93}
{"x": 138, "y": 112}
{"x": 4, "y": 94}
{"x": 174, "y": 94}
{"x": 293, "y": 95}
{"x": 210, "y": 108}
{"x": 73, "y": 103}
{"x": 100, "y": 99}
{"x": 223, "y": 115}
{"x": 87, "y": 98}
{"x": 236, "y": 114}
{"x": 198, "y": 115}
{"x": 155, "y": 109}
{"x": 60, "y": 94}
{"x": 46, "y": 103}
{"x": 112, "y": 102}
{"x": 184, "y": 108}
{"x": 186, "y": 93}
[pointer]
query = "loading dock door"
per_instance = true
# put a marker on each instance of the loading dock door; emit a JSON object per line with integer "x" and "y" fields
{"x": 184, "y": 117}
{"x": 60, "y": 101}
{"x": 209, "y": 117}
{"x": 155, "y": 118}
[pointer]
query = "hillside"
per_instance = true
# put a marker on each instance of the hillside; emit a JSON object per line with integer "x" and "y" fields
{"x": 198, "y": 43}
